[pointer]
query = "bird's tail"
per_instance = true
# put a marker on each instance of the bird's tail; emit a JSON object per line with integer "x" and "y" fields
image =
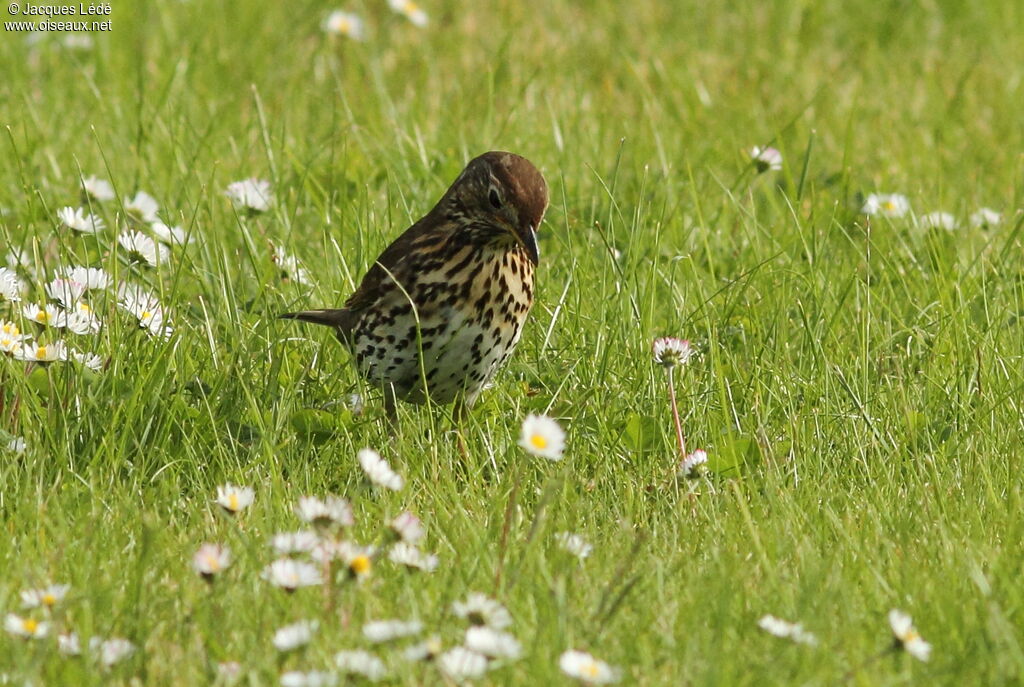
{"x": 339, "y": 318}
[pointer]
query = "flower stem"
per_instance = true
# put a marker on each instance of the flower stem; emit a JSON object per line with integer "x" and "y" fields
{"x": 675, "y": 416}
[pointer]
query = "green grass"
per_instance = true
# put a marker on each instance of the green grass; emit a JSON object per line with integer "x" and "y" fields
{"x": 858, "y": 387}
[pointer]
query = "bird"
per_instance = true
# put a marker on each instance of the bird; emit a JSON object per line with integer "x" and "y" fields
{"x": 443, "y": 307}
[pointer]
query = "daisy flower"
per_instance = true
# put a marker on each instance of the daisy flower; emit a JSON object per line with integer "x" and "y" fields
{"x": 143, "y": 207}
{"x": 387, "y": 630}
{"x": 233, "y": 498}
{"x": 939, "y": 220}
{"x": 46, "y": 315}
{"x": 42, "y": 353}
{"x": 89, "y": 277}
{"x": 689, "y": 464}
{"x": 906, "y": 636}
{"x": 480, "y": 609}
{"x": 28, "y": 628}
{"x": 886, "y": 205}
{"x": 358, "y": 559}
{"x": 461, "y": 663}
{"x": 68, "y": 644}
{"x": 145, "y": 307}
{"x": 142, "y": 248}
{"x": 65, "y": 291}
{"x": 89, "y": 360}
{"x": 492, "y": 643}
{"x": 541, "y": 436}
{"x": 10, "y": 286}
{"x": 171, "y": 235}
{"x": 985, "y": 217}
{"x": 427, "y": 650}
{"x": 586, "y": 668}
{"x": 408, "y": 555}
{"x": 289, "y": 265}
{"x": 378, "y": 470}
{"x": 290, "y": 575}
{"x": 313, "y": 678}
{"x": 250, "y": 194}
{"x": 98, "y": 189}
{"x": 211, "y": 559}
{"x": 302, "y": 541}
{"x": 670, "y": 351}
{"x": 574, "y": 544}
{"x": 346, "y": 24}
{"x": 11, "y": 338}
{"x": 293, "y": 636}
{"x": 786, "y": 630}
{"x": 111, "y": 651}
{"x": 410, "y": 10}
{"x": 766, "y": 159}
{"x": 81, "y": 321}
{"x": 327, "y": 513}
{"x": 408, "y": 527}
{"x": 361, "y": 663}
{"x": 77, "y": 219}
{"x": 47, "y": 597}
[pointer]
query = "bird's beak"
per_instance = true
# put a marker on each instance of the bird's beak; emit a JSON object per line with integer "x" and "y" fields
{"x": 528, "y": 239}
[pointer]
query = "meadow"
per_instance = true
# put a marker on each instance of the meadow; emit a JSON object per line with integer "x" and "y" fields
{"x": 856, "y": 381}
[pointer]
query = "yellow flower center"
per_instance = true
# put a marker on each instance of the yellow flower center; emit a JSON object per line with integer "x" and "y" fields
{"x": 84, "y": 307}
{"x": 232, "y": 501}
{"x": 888, "y": 205}
{"x": 344, "y": 25}
{"x": 590, "y": 670}
{"x": 42, "y": 316}
{"x": 539, "y": 442}
{"x": 49, "y": 599}
{"x": 10, "y": 328}
{"x": 146, "y": 315}
{"x": 360, "y": 565}
{"x": 411, "y": 7}
{"x": 29, "y": 625}
{"x": 212, "y": 563}
{"x": 41, "y": 352}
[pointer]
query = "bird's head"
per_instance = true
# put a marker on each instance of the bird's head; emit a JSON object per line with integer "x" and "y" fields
{"x": 502, "y": 196}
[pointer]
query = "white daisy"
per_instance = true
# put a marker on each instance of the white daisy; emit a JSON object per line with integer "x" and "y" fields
{"x": 410, "y": 10}
{"x": 408, "y": 527}
{"x": 386, "y": 630}
{"x": 171, "y": 235}
{"x": 690, "y": 463}
{"x": 10, "y": 286}
{"x": 492, "y": 643}
{"x": 111, "y": 651}
{"x": 460, "y": 663}
{"x": 480, "y": 609}
{"x": 30, "y": 628}
{"x": 77, "y": 219}
{"x": 986, "y": 217}
{"x": 766, "y": 159}
{"x": 358, "y": 559}
{"x": 290, "y": 574}
{"x": 291, "y": 637}
{"x": 79, "y": 321}
{"x": 68, "y": 644}
{"x": 289, "y": 265}
{"x": 427, "y": 650}
{"x": 48, "y": 596}
{"x": 361, "y": 663}
{"x": 302, "y": 541}
{"x": 574, "y": 544}
{"x": 542, "y": 436}
{"x": 98, "y": 189}
{"x": 313, "y": 678}
{"x": 939, "y": 220}
{"x": 346, "y": 24}
{"x": 886, "y": 205}
{"x": 787, "y": 630}
{"x": 326, "y": 513}
{"x": 11, "y": 338}
{"x": 408, "y": 555}
{"x": 89, "y": 360}
{"x": 142, "y": 247}
{"x": 65, "y": 291}
{"x": 46, "y": 315}
{"x": 210, "y": 560}
{"x": 233, "y": 498}
{"x": 145, "y": 307}
{"x": 42, "y": 353}
{"x": 89, "y": 277}
{"x": 250, "y": 194}
{"x": 378, "y": 470}
{"x": 670, "y": 351}
{"x": 906, "y": 636}
{"x": 143, "y": 207}
{"x": 586, "y": 668}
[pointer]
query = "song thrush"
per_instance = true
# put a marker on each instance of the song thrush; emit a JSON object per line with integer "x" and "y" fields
{"x": 443, "y": 306}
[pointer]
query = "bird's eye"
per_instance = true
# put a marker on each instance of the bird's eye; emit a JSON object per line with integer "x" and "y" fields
{"x": 495, "y": 198}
